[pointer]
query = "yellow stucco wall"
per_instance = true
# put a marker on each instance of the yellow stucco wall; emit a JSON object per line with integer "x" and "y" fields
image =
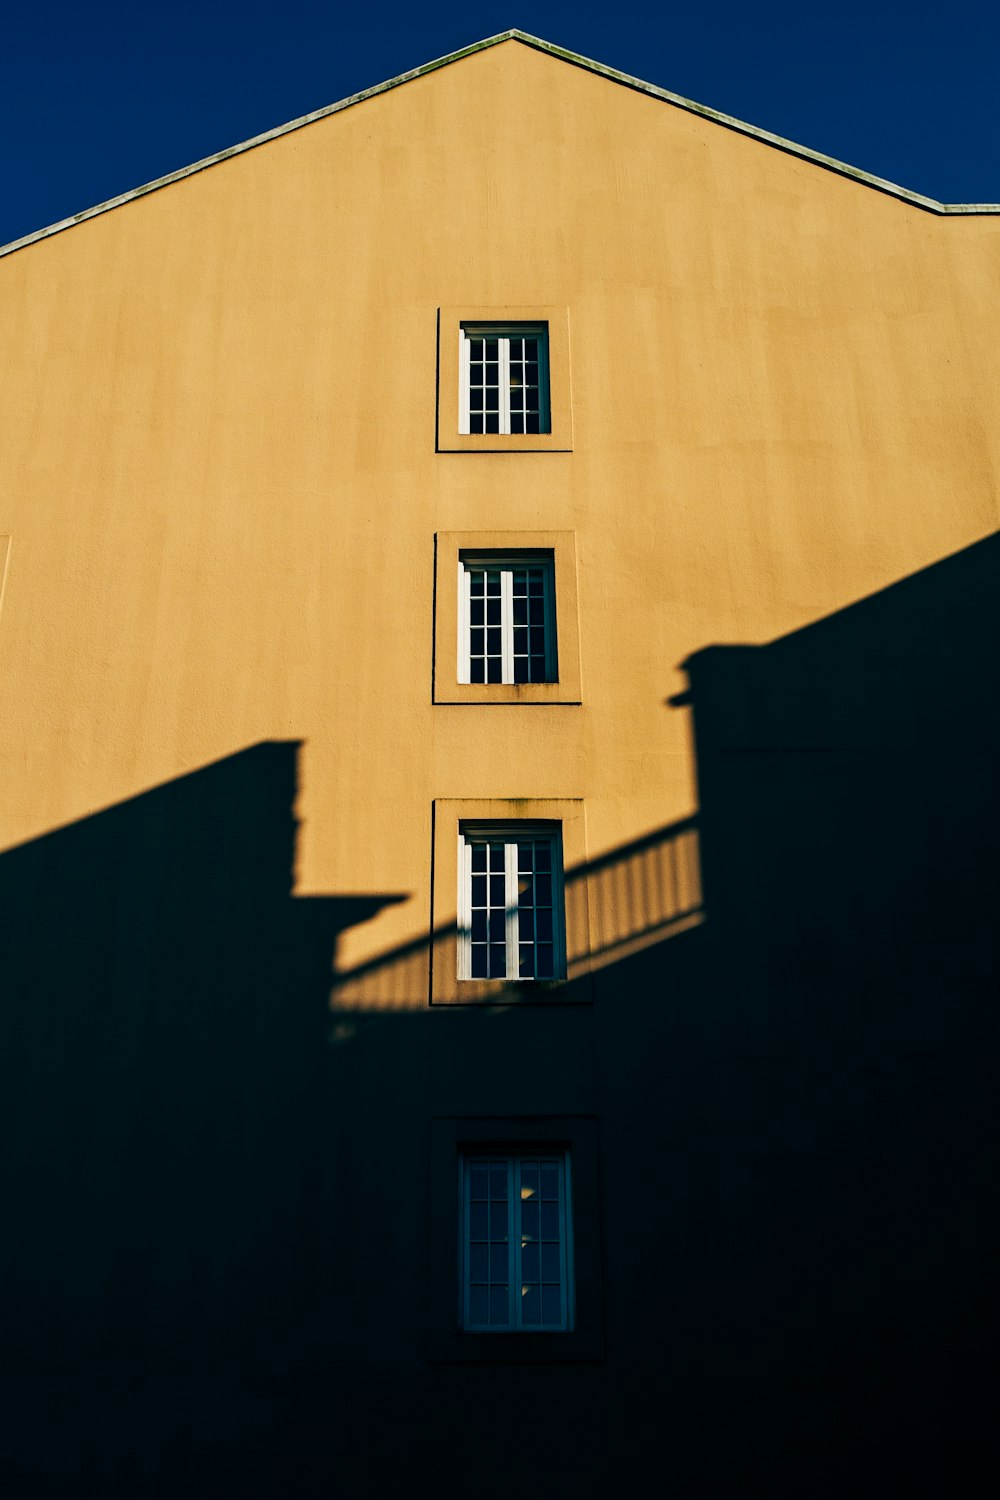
{"x": 219, "y": 477}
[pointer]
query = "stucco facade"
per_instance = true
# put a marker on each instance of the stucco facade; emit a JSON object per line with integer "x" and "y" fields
{"x": 226, "y": 463}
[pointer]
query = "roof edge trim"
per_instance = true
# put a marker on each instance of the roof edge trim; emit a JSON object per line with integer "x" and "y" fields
{"x": 881, "y": 184}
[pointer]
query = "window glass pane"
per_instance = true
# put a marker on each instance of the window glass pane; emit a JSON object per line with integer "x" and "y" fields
{"x": 477, "y": 669}
{"x": 531, "y": 1306}
{"x": 529, "y": 1180}
{"x": 498, "y": 962}
{"x": 479, "y": 1263}
{"x": 499, "y": 1262}
{"x": 479, "y": 1181}
{"x": 551, "y": 1310}
{"x": 529, "y": 1220}
{"x": 498, "y": 1306}
{"x": 479, "y": 856}
{"x": 476, "y": 611}
{"x": 479, "y": 962}
{"x": 549, "y": 1175}
{"x": 550, "y": 1262}
{"x": 530, "y": 1262}
{"x": 544, "y": 960}
{"x": 478, "y": 1221}
{"x": 479, "y": 1304}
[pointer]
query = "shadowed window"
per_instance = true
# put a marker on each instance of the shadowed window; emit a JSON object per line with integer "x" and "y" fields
{"x": 510, "y": 903}
{"x": 503, "y": 378}
{"x": 516, "y": 1242}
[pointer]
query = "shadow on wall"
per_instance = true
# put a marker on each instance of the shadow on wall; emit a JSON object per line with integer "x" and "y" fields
{"x": 164, "y": 1018}
{"x": 219, "y": 1276}
{"x": 635, "y": 895}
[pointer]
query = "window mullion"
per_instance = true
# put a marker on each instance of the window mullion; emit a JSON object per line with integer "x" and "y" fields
{"x": 507, "y": 625}
{"x": 504, "y": 353}
{"x": 510, "y": 897}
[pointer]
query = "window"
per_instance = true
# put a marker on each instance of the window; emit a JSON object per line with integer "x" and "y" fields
{"x": 516, "y": 1242}
{"x": 510, "y": 916}
{"x": 503, "y": 378}
{"x": 507, "y": 619}
{"x": 532, "y": 1181}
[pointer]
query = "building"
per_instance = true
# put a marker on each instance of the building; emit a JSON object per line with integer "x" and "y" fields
{"x": 309, "y": 1196}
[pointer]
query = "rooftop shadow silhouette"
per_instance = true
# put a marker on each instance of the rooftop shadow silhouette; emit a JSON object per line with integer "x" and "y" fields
{"x": 224, "y": 1284}
{"x": 164, "y": 1020}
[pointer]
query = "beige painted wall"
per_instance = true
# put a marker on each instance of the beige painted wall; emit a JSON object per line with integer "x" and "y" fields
{"x": 218, "y": 469}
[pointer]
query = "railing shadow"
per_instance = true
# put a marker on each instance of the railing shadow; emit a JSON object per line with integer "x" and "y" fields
{"x": 615, "y": 905}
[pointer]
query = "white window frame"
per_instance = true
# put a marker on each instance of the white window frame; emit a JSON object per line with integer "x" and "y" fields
{"x": 509, "y": 834}
{"x": 515, "y": 1238}
{"x": 506, "y": 562}
{"x": 503, "y": 333}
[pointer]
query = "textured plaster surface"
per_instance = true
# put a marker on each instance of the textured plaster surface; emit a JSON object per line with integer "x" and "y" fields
{"x": 218, "y": 465}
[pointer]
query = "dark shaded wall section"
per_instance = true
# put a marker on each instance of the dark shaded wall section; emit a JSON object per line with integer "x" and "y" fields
{"x": 220, "y": 1237}
{"x": 849, "y": 826}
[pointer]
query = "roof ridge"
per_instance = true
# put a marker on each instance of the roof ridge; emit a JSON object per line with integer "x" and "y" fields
{"x": 881, "y": 184}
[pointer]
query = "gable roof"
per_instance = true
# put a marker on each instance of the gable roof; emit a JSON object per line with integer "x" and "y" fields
{"x": 577, "y": 60}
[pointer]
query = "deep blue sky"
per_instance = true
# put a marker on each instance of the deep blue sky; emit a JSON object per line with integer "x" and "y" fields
{"x": 98, "y": 98}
